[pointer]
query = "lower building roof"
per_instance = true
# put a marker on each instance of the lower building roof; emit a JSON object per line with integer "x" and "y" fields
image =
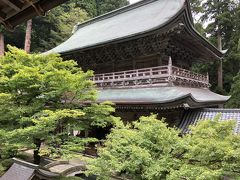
{"x": 22, "y": 170}
{"x": 163, "y": 96}
{"x": 192, "y": 117}
{"x": 18, "y": 172}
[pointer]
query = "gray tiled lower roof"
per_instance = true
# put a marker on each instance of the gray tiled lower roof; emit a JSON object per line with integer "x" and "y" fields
{"x": 161, "y": 95}
{"x": 22, "y": 170}
{"x": 192, "y": 117}
{"x": 18, "y": 172}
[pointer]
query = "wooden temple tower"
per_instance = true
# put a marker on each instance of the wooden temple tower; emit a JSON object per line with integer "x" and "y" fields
{"x": 142, "y": 56}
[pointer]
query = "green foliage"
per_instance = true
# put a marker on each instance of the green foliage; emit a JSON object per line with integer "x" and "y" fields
{"x": 4, "y": 165}
{"x": 2, "y": 170}
{"x": 110, "y": 5}
{"x": 149, "y": 149}
{"x": 43, "y": 98}
{"x": 220, "y": 17}
{"x": 232, "y": 63}
{"x": 223, "y": 17}
{"x": 50, "y": 30}
{"x": 56, "y": 27}
{"x": 234, "y": 102}
{"x": 97, "y": 7}
{"x": 196, "y": 6}
{"x": 7, "y": 163}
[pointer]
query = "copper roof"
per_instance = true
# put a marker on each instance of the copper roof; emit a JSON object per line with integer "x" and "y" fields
{"x": 15, "y": 12}
{"x": 163, "y": 97}
{"x": 133, "y": 21}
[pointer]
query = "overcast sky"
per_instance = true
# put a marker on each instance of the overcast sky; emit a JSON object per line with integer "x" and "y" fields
{"x": 133, "y": 1}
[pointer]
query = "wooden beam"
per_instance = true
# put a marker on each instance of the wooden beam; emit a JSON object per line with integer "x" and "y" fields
{"x": 3, "y": 21}
{"x": 2, "y": 16}
{"x": 36, "y": 7}
{"x": 1, "y": 44}
{"x": 15, "y": 4}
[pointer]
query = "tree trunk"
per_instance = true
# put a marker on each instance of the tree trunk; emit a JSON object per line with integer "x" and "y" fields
{"x": 36, "y": 156}
{"x": 27, "y": 45}
{"x": 220, "y": 65}
{"x": 98, "y": 7}
{"x": 1, "y": 44}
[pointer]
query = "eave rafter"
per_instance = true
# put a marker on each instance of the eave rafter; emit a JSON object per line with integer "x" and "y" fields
{"x": 2, "y": 16}
{"x": 15, "y": 12}
{"x": 143, "y": 46}
{"x": 14, "y": 4}
{"x": 37, "y": 7}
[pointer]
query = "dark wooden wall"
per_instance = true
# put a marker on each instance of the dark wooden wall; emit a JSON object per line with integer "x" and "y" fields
{"x": 173, "y": 116}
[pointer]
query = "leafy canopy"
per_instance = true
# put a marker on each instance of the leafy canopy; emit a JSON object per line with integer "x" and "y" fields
{"x": 219, "y": 18}
{"x": 149, "y": 149}
{"x": 98, "y": 7}
{"x": 42, "y": 99}
{"x": 56, "y": 27}
{"x": 234, "y": 102}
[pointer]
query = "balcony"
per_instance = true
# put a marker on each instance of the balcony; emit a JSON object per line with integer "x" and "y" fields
{"x": 155, "y": 76}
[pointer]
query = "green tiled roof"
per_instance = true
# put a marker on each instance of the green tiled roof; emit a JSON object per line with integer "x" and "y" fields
{"x": 131, "y": 20}
{"x": 162, "y": 95}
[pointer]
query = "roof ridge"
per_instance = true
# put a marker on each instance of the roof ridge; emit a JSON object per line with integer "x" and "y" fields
{"x": 25, "y": 163}
{"x": 113, "y": 13}
{"x": 219, "y": 109}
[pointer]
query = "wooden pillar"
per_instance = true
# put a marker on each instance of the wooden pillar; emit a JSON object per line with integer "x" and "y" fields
{"x": 1, "y": 44}
{"x": 86, "y": 133}
{"x": 220, "y": 74}
{"x": 220, "y": 64}
{"x": 28, "y": 36}
{"x": 207, "y": 77}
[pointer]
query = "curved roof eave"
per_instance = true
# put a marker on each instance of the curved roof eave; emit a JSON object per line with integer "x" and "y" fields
{"x": 197, "y": 97}
{"x": 188, "y": 99}
{"x": 123, "y": 38}
{"x": 195, "y": 33}
{"x": 184, "y": 10}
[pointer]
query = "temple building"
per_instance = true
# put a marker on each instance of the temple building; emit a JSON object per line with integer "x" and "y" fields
{"x": 142, "y": 56}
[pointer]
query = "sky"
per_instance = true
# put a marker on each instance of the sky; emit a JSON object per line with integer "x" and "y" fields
{"x": 133, "y": 1}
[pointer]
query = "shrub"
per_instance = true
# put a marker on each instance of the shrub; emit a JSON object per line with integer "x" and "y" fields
{"x": 149, "y": 149}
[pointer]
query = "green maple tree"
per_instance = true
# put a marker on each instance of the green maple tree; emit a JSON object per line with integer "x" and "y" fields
{"x": 42, "y": 99}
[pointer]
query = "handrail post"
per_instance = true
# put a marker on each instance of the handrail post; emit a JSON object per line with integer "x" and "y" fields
{"x": 170, "y": 70}
{"x": 207, "y": 78}
{"x": 151, "y": 73}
